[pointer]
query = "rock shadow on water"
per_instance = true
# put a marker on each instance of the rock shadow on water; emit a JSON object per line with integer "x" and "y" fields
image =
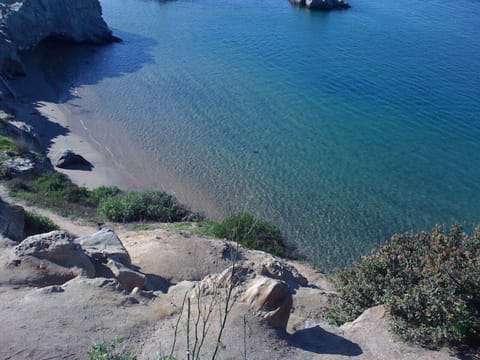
{"x": 321, "y": 341}
{"x": 66, "y": 66}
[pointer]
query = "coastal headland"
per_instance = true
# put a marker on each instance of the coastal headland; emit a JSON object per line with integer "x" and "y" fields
{"x": 155, "y": 290}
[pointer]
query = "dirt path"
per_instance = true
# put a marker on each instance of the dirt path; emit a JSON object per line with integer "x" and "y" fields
{"x": 74, "y": 227}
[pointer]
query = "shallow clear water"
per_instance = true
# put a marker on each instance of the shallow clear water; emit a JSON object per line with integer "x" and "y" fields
{"x": 341, "y": 128}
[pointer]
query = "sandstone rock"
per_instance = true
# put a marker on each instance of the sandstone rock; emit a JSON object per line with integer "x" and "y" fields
{"x": 270, "y": 299}
{"x": 25, "y": 23}
{"x": 103, "y": 245}
{"x": 372, "y": 315}
{"x": 68, "y": 158}
{"x": 79, "y": 282}
{"x": 12, "y": 221}
{"x": 128, "y": 278}
{"x": 282, "y": 271}
{"x": 57, "y": 247}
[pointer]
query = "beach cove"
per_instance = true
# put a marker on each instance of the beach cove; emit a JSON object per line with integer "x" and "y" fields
{"x": 338, "y": 142}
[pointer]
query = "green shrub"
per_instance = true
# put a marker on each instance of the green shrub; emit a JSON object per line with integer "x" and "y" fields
{"x": 142, "y": 206}
{"x": 6, "y": 144}
{"x": 58, "y": 192}
{"x": 245, "y": 229}
{"x": 108, "y": 351}
{"x": 430, "y": 282}
{"x": 59, "y": 186}
{"x": 37, "y": 224}
{"x": 104, "y": 192}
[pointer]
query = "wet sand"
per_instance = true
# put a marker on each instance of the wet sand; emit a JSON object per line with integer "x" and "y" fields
{"x": 38, "y": 104}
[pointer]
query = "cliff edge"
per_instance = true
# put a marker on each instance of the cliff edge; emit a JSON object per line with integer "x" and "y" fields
{"x": 24, "y": 23}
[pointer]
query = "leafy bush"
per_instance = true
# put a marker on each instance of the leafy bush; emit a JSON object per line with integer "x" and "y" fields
{"x": 6, "y": 144}
{"x": 58, "y": 192}
{"x": 104, "y": 192}
{"x": 142, "y": 206}
{"x": 37, "y": 224}
{"x": 58, "y": 186}
{"x": 108, "y": 351}
{"x": 245, "y": 229}
{"x": 430, "y": 282}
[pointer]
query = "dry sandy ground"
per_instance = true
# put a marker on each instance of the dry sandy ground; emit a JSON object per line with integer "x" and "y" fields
{"x": 62, "y": 322}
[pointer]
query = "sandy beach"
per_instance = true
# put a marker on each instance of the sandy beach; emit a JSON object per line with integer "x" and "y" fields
{"x": 52, "y": 122}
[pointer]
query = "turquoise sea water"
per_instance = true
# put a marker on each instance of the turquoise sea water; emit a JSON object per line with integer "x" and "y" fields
{"x": 341, "y": 128}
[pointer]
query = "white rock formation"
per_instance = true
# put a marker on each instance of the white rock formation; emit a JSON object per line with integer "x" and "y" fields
{"x": 24, "y": 23}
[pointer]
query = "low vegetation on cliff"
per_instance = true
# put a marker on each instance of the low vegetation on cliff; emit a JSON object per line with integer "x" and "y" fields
{"x": 56, "y": 191}
{"x": 430, "y": 282}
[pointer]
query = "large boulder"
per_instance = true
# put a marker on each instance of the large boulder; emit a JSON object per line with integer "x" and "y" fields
{"x": 57, "y": 247}
{"x": 128, "y": 278}
{"x": 270, "y": 299}
{"x": 12, "y": 221}
{"x": 68, "y": 159}
{"x": 103, "y": 245}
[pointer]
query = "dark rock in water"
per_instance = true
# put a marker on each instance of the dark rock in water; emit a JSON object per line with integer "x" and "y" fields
{"x": 12, "y": 221}
{"x": 322, "y": 4}
{"x": 69, "y": 159}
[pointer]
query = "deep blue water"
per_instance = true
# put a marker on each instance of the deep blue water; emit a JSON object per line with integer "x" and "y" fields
{"x": 342, "y": 128}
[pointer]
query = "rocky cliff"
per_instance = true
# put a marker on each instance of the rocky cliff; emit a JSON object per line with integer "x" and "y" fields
{"x": 24, "y": 23}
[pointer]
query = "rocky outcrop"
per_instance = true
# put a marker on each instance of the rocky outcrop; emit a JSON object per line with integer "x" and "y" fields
{"x": 56, "y": 257}
{"x": 128, "y": 278}
{"x": 24, "y": 23}
{"x": 57, "y": 247}
{"x": 271, "y": 300}
{"x": 104, "y": 245}
{"x": 12, "y": 221}
{"x": 68, "y": 159}
{"x": 322, "y": 4}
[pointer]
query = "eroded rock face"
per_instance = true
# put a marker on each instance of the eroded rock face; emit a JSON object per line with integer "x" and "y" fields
{"x": 24, "y": 23}
{"x": 57, "y": 247}
{"x": 281, "y": 271}
{"x": 271, "y": 300}
{"x": 128, "y": 278}
{"x": 103, "y": 245}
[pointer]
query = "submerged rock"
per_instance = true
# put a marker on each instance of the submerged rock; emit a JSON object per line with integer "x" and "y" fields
{"x": 322, "y": 4}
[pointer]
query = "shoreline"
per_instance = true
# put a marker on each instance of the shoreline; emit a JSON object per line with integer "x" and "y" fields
{"x": 46, "y": 101}
{"x": 53, "y": 123}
